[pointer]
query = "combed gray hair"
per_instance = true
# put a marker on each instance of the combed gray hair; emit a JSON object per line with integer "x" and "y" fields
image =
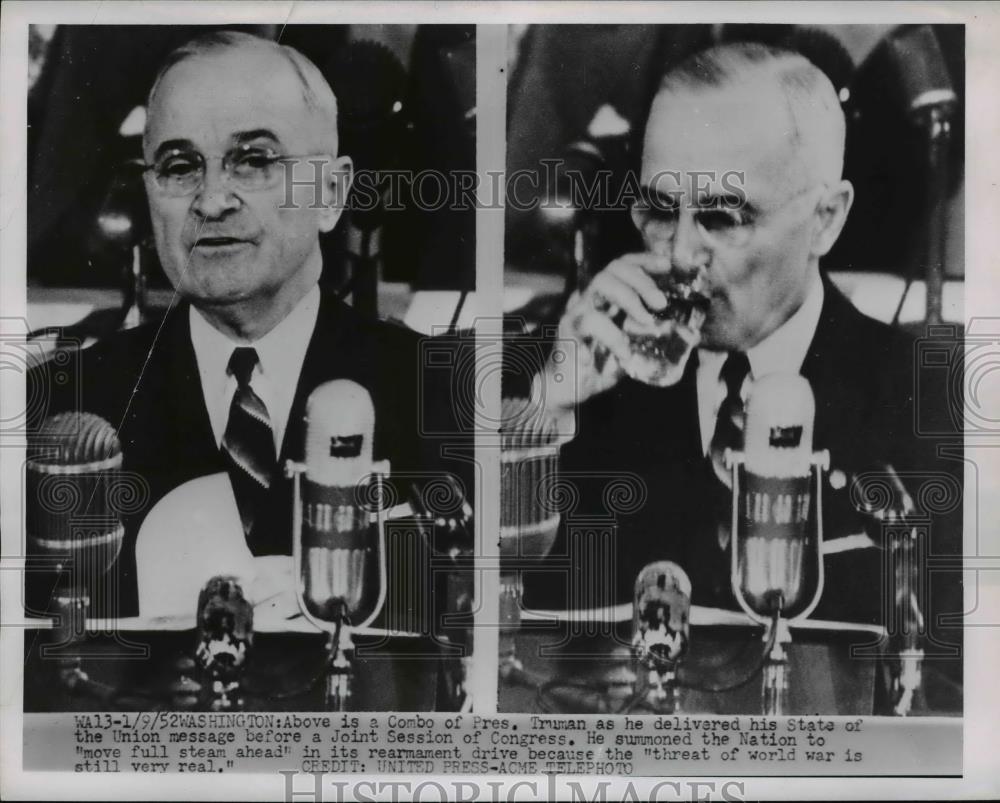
{"x": 316, "y": 92}
{"x": 817, "y": 120}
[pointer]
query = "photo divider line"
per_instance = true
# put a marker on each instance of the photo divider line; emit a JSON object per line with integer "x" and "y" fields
{"x": 491, "y": 142}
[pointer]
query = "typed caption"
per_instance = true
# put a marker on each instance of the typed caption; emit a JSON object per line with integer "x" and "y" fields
{"x": 468, "y": 744}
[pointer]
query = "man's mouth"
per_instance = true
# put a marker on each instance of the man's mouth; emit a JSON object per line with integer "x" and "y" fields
{"x": 219, "y": 242}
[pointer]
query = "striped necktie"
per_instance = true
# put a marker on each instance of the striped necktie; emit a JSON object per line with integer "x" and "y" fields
{"x": 248, "y": 444}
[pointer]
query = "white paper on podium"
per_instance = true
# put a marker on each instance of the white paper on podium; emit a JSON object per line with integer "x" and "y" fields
{"x": 194, "y": 534}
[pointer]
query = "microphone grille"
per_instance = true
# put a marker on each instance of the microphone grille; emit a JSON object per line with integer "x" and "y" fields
{"x": 525, "y": 425}
{"x": 530, "y": 491}
{"x": 666, "y": 576}
{"x": 74, "y": 439}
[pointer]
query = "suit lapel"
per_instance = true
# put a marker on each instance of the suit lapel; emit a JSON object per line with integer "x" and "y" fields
{"x": 196, "y": 444}
{"x": 827, "y": 366}
{"x": 815, "y": 367}
{"x": 167, "y": 429}
{"x": 328, "y": 356}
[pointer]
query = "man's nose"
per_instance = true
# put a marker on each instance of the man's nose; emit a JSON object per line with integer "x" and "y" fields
{"x": 690, "y": 251}
{"x": 214, "y": 198}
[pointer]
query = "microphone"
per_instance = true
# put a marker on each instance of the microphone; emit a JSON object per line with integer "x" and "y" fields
{"x": 337, "y": 542}
{"x": 530, "y": 496}
{"x": 224, "y": 623}
{"x": 529, "y": 480}
{"x": 72, "y": 496}
{"x": 882, "y": 498}
{"x": 774, "y": 545}
{"x": 930, "y": 101}
{"x": 777, "y": 561}
{"x": 370, "y": 85}
{"x": 119, "y": 231}
{"x": 925, "y": 83}
{"x": 661, "y": 608}
{"x": 333, "y": 538}
{"x": 530, "y": 511}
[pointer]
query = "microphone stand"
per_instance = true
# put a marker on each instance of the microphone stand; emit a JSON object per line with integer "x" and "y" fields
{"x": 573, "y": 225}
{"x": 907, "y": 674}
{"x": 661, "y": 689}
{"x": 135, "y": 304}
{"x": 511, "y": 669}
{"x": 774, "y": 691}
{"x": 340, "y": 669}
{"x": 896, "y": 526}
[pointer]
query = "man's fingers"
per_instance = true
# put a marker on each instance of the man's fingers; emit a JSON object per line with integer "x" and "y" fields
{"x": 654, "y": 263}
{"x": 608, "y": 290}
{"x": 603, "y": 331}
{"x": 635, "y": 274}
{"x": 690, "y": 335}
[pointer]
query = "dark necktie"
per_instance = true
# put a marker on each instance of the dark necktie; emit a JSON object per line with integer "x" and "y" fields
{"x": 728, "y": 435}
{"x": 248, "y": 444}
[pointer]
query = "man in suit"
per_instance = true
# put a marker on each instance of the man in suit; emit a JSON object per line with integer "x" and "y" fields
{"x": 242, "y": 176}
{"x": 766, "y": 125}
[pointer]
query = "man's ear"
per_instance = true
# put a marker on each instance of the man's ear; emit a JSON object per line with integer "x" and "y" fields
{"x": 832, "y": 215}
{"x": 336, "y": 184}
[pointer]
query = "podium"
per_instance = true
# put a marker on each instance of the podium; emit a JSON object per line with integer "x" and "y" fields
{"x": 284, "y": 673}
{"x": 581, "y": 651}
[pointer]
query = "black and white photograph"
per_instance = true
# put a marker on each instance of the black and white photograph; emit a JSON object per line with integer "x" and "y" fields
{"x": 242, "y": 490}
{"x": 732, "y": 482}
{"x": 492, "y": 401}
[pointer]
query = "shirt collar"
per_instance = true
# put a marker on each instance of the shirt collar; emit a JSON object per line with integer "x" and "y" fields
{"x": 281, "y": 353}
{"x": 275, "y": 349}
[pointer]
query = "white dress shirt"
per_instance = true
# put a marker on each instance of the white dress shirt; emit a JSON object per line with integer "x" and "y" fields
{"x": 281, "y": 353}
{"x": 783, "y": 350}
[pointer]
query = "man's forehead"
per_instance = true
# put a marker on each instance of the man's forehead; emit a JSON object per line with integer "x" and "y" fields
{"x": 209, "y": 99}
{"x": 717, "y": 132}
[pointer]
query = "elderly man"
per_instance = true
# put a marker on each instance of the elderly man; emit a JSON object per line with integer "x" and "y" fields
{"x": 242, "y": 176}
{"x": 741, "y": 177}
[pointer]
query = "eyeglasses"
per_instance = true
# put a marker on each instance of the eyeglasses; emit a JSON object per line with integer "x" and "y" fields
{"x": 251, "y": 168}
{"x": 722, "y": 224}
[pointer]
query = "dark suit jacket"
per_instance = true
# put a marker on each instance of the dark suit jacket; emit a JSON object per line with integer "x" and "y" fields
{"x": 145, "y": 382}
{"x": 867, "y": 394}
